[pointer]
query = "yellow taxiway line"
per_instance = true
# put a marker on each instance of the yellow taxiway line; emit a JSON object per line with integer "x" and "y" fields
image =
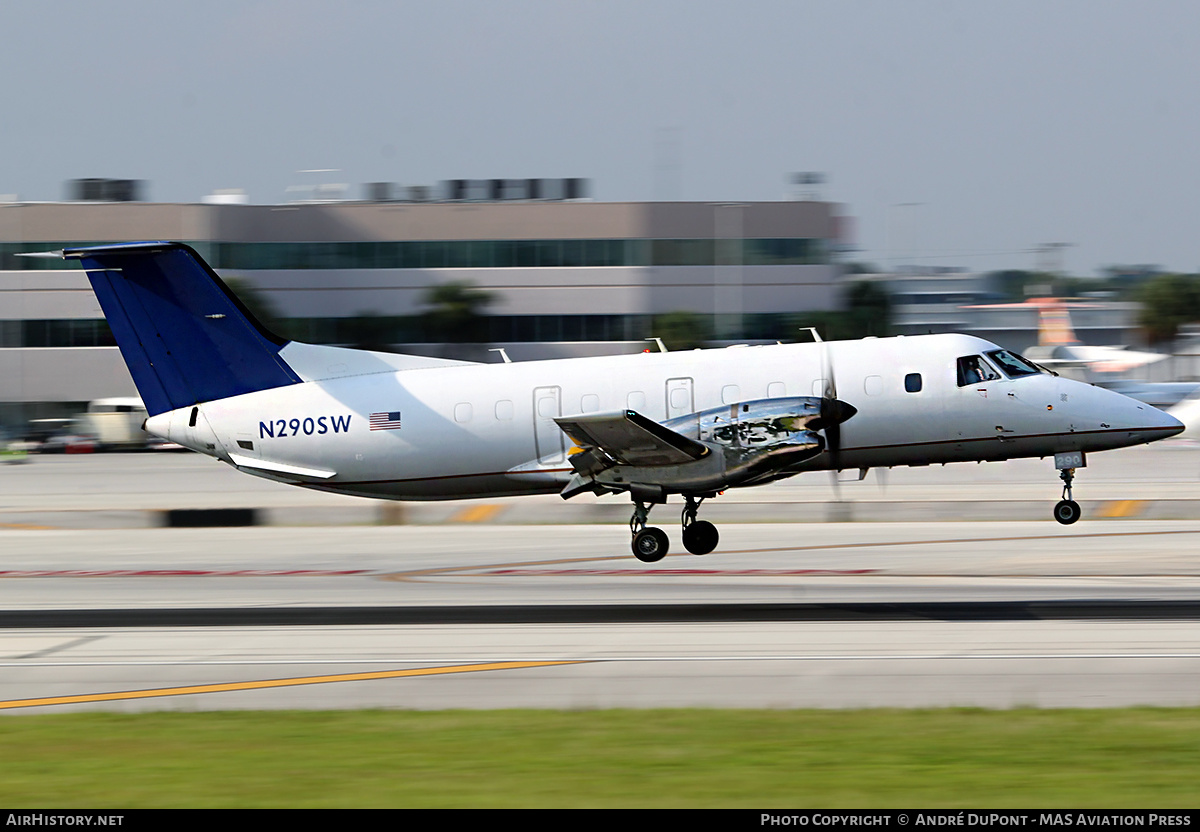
{"x": 477, "y": 514}
{"x": 272, "y": 683}
{"x": 1122, "y": 508}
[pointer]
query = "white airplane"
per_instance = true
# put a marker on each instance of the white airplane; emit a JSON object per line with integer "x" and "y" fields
{"x": 649, "y": 425}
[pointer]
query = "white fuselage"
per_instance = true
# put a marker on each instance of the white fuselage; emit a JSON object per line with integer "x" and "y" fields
{"x": 359, "y": 425}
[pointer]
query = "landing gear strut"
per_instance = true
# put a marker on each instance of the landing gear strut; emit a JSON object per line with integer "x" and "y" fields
{"x": 1067, "y": 510}
{"x": 699, "y": 536}
{"x": 649, "y": 544}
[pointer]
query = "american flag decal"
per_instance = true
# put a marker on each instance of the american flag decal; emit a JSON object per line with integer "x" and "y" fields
{"x": 385, "y": 421}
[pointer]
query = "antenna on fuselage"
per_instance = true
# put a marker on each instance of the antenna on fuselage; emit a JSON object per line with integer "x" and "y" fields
{"x": 661, "y": 346}
{"x": 812, "y": 329}
{"x": 503, "y": 354}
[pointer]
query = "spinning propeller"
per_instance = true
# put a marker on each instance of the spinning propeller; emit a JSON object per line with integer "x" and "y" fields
{"x": 833, "y": 412}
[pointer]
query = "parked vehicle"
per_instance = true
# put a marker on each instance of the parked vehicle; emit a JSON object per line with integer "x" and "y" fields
{"x": 117, "y": 423}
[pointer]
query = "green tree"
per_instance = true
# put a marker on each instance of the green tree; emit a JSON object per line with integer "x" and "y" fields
{"x": 860, "y": 268}
{"x": 455, "y": 313}
{"x": 257, "y": 303}
{"x": 370, "y": 331}
{"x": 1011, "y": 283}
{"x": 866, "y": 310}
{"x": 1168, "y": 302}
{"x": 682, "y": 330}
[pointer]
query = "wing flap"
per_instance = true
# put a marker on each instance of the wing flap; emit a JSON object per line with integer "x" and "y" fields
{"x": 629, "y": 438}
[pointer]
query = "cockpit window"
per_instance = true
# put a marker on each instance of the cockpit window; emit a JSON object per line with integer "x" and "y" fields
{"x": 973, "y": 369}
{"x": 1013, "y": 365}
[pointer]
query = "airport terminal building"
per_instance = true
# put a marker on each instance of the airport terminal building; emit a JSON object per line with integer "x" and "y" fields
{"x": 561, "y": 277}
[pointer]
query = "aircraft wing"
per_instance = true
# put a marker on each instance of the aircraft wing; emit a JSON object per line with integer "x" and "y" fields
{"x": 629, "y": 438}
{"x": 700, "y": 453}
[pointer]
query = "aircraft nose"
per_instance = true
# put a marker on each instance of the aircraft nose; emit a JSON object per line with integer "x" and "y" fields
{"x": 1126, "y": 420}
{"x": 1156, "y": 424}
{"x": 1169, "y": 424}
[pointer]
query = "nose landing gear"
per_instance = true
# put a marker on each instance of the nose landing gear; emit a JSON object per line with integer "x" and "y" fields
{"x": 1067, "y": 510}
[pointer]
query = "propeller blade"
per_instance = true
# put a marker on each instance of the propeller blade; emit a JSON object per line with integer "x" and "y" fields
{"x": 836, "y": 483}
{"x": 830, "y": 391}
{"x": 833, "y": 412}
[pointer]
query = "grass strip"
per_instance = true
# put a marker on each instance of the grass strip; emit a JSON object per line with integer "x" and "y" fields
{"x": 792, "y": 759}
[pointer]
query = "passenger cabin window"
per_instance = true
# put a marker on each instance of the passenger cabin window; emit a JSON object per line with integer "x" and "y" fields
{"x": 912, "y": 383}
{"x": 1013, "y": 365}
{"x": 972, "y": 369}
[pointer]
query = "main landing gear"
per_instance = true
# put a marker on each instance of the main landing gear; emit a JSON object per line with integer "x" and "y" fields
{"x": 1067, "y": 510}
{"x": 650, "y": 544}
{"x": 699, "y": 536}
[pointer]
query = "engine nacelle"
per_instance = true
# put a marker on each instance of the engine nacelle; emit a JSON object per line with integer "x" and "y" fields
{"x": 747, "y": 442}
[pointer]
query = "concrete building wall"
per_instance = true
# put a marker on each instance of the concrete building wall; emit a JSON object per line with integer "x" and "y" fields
{"x": 63, "y": 374}
{"x": 111, "y": 221}
{"x": 387, "y": 221}
{"x": 549, "y": 291}
{"x": 46, "y": 294}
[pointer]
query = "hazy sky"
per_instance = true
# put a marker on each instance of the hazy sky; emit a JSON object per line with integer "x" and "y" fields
{"x": 954, "y": 133}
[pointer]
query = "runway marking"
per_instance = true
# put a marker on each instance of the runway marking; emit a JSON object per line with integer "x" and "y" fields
{"x": 641, "y": 659}
{"x": 179, "y": 573}
{"x": 89, "y": 698}
{"x": 432, "y": 572}
{"x": 1122, "y": 508}
{"x": 721, "y": 572}
{"x": 274, "y": 683}
{"x": 26, "y": 527}
{"x": 959, "y": 540}
{"x": 477, "y": 514}
{"x": 58, "y": 648}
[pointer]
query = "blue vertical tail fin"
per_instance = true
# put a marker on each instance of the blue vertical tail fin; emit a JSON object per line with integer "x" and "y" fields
{"x": 184, "y": 335}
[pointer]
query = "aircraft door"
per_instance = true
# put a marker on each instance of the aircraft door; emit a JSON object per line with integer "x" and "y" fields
{"x": 680, "y": 401}
{"x": 980, "y": 409}
{"x": 547, "y": 436}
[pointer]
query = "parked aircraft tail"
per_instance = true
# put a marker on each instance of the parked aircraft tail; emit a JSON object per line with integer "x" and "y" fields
{"x": 184, "y": 335}
{"x": 1054, "y": 323}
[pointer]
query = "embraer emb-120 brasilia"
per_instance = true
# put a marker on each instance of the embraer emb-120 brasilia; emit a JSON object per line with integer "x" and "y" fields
{"x": 649, "y": 425}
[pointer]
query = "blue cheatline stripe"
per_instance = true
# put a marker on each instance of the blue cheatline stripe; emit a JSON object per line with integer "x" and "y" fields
{"x": 184, "y": 335}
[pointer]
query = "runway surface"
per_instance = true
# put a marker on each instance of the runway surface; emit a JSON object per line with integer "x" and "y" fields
{"x": 474, "y": 616}
{"x": 942, "y": 599}
{"x": 1160, "y": 481}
